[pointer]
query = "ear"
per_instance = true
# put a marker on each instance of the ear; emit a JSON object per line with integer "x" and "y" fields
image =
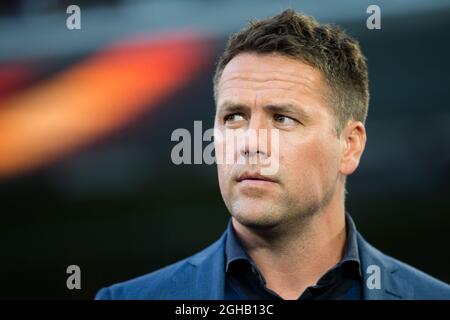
{"x": 353, "y": 141}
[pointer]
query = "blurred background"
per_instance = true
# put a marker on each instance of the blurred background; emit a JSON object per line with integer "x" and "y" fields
{"x": 86, "y": 118}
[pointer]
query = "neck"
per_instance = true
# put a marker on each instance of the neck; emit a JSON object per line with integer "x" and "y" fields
{"x": 295, "y": 258}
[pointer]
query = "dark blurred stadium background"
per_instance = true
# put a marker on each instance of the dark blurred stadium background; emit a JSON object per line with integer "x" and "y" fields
{"x": 86, "y": 118}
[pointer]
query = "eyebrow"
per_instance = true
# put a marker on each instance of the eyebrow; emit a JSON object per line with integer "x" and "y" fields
{"x": 286, "y": 108}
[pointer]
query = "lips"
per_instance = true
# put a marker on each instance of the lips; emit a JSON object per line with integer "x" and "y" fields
{"x": 248, "y": 176}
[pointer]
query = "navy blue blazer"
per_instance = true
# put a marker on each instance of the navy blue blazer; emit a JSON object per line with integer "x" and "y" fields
{"x": 202, "y": 276}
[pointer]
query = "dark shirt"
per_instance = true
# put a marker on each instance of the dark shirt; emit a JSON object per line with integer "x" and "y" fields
{"x": 244, "y": 281}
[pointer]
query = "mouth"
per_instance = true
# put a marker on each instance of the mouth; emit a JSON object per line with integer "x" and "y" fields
{"x": 254, "y": 178}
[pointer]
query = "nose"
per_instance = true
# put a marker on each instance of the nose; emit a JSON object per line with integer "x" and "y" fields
{"x": 257, "y": 138}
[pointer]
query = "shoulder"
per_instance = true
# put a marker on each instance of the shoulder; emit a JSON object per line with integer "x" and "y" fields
{"x": 401, "y": 279}
{"x": 154, "y": 285}
{"x": 184, "y": 279}
{"x": 421, "y": 284}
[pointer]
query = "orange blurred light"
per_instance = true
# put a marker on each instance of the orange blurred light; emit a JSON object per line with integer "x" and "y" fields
{"x": 93, "y": 98}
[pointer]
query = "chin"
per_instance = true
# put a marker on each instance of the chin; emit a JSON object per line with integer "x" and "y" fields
{"x": 256, "y": 216}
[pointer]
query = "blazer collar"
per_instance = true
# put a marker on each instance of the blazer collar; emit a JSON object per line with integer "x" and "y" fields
{"x": 391, "y": 286}
{"x": 209, "y": 274}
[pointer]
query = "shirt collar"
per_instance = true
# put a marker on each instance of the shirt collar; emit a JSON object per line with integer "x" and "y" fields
{"x": 351, "y": 252}
{"x": 234, "y": 250}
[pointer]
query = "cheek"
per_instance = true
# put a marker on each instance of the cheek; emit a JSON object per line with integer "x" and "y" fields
{"x": 225, "y": 177}
{"x": 224, "y": 186}
{"x": 225, "y": 151}
{"x": 222, "y": 174}
{"x": 307, "y": 164}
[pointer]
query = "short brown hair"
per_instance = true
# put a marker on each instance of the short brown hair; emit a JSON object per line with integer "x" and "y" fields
{"x": 326, "y": 47}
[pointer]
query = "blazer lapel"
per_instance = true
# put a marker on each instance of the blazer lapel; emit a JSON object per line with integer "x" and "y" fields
{"x": 209, "y": 272}
{"x": 391, "y": 286}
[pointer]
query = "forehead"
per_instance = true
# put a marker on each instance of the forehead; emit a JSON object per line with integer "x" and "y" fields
{"x": 250, "y": 76}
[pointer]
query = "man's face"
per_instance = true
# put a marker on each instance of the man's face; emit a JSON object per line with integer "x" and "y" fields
{"x": 276, "y": 92}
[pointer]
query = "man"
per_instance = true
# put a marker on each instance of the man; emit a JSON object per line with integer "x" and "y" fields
{"x": 289, "y": 236}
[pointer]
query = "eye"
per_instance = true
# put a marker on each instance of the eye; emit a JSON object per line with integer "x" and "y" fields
{"x": 284, "y": 120}
{"x": 235, "y": 117}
